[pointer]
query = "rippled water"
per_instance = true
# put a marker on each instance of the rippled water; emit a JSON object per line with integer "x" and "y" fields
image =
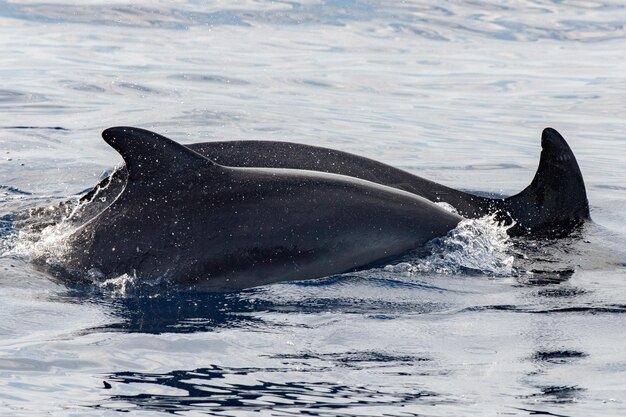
{"x": 457, "y": 92}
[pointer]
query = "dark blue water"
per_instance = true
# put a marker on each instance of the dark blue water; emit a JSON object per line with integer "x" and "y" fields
{"x": 457, "y": 92}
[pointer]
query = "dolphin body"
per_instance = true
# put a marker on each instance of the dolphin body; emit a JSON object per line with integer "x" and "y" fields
{"x": 184, "y": 217}
{"x": 552, "y": 205}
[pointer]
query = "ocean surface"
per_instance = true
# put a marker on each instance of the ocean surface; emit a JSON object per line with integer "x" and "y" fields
{"x": 454, "y": 91}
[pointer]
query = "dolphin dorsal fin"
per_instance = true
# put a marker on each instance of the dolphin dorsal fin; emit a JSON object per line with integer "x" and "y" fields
{"x": 558, "y": 175}
{"x": 556, "y": 198}
{"x": 149, "y": 155}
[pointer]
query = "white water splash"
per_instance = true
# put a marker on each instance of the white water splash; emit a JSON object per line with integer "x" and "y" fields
{"x": 475, "y": 245}
{"x": 127, "y": 285}
{"x": 41, "y": 234}
{"x": 115, "y": 287}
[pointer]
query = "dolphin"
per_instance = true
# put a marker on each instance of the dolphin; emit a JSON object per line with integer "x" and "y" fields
{"x": 554, "y": 203}
{"x": 184, "y": 217}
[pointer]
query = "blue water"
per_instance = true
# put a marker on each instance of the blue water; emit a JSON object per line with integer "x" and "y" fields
{"x": 457, "y": 92}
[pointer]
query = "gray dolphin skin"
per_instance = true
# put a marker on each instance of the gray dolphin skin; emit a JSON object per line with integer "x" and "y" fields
{"x": 553, "y": 205}
{"x": 183, "y": 217}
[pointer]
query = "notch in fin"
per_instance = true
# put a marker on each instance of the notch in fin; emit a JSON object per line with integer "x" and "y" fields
{"x": 148, "y": 155}
{"x": 556, "y": 199}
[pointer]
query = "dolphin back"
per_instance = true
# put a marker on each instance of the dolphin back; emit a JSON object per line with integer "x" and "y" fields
{"x": 182, "y": 217}
{"x": 553, "y": 204}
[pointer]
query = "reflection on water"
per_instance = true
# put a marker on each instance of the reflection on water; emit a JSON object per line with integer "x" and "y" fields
{"x": 223, "y": 390}
{"x": 309, "y": 386}
{"x": 170, "y": 310}
{"x": 184, "y": 313}
{"x": 558, "y": 356}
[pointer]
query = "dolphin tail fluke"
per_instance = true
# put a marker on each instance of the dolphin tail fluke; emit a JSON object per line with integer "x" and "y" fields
{"x": 555, "y": 202}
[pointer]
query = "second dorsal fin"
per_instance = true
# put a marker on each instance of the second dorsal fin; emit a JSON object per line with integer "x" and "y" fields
{"x": 148, "y": 155}
{"x": 556, "y": 199}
